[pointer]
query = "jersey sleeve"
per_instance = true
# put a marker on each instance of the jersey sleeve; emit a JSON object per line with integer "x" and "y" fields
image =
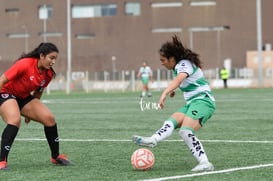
{"x": 184, "y": 66}
{"x": 15, "y": 70}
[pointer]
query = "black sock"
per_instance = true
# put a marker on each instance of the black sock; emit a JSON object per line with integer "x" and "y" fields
{"x": 7, "y": 139}
{"x": 51, "y": 134}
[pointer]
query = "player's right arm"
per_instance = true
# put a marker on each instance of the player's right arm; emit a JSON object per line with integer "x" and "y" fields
{"x": 3, "y": 80}
{"x": 139, "y": 73}
{"x": 175, "y": 83}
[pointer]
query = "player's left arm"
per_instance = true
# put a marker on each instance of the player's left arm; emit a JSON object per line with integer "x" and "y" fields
{"x": 151, "y": 75}
{"x": 38, "y": 94}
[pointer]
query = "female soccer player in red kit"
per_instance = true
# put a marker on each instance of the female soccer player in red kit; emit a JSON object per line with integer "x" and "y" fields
{"x": 21, "y": 88}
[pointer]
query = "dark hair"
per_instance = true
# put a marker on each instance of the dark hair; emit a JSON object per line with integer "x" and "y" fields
{"x": 177, "y": 50}
{"x": 43, "y": 48}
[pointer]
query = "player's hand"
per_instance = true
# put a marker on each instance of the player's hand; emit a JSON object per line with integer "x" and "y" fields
{"x": 27, "y": 120}
{"x": 162, "y": 100}
{"x": 172, "y": 94}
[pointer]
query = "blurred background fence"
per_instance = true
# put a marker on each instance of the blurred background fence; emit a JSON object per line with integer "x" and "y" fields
{"x": 128, "y": 81}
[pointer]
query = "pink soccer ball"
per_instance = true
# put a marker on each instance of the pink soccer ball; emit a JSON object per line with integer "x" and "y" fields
{"x": 142, "y": 159}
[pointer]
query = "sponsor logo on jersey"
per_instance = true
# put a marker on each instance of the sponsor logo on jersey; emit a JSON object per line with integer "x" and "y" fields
{"x": 31, "y": 77}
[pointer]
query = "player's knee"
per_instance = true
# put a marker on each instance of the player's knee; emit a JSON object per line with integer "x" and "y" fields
{"x": 186, "y": 132}
{"x": 15, "y": 118}
{"x": 182, "y": 134}
{"x": 49, "y": 120}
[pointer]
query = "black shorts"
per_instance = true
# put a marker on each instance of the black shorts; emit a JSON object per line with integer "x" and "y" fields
{"x": 21, "y": 102}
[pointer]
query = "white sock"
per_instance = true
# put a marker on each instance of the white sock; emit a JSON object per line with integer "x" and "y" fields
{"x": 143, "y": 93}
{"x": 165, "y": 131}
{"x": 194, "y": 144}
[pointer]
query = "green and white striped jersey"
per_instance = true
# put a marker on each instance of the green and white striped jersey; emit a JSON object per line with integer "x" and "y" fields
{"x": 195, "y": 85}
{"x": 145, "y": 71}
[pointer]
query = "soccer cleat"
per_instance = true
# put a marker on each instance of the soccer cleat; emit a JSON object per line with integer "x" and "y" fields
{"x": 144, "y": 141}
{"x": 61, "y": 160}
{"x": 205, "y": 166}
{"x": 3, "y": 165}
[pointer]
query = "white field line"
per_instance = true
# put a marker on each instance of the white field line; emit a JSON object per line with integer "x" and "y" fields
{"x": 117, "y": 140}
{"x": 178, "y": 176}
{"x": 211, "y": 172}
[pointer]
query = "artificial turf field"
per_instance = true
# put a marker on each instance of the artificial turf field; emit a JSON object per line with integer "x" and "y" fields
{"x": 96, "y": 129}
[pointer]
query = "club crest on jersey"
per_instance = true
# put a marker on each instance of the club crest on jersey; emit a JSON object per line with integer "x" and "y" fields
{"x": 4, "y": 96}
{"x": 42, "y": 83}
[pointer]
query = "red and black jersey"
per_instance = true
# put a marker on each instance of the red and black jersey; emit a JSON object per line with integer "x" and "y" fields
{"x": 24, "y": 77}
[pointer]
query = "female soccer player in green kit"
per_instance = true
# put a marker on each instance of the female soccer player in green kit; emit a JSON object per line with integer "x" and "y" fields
{"x": 145, "y": 73}
{"x": 199, "y": 107}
